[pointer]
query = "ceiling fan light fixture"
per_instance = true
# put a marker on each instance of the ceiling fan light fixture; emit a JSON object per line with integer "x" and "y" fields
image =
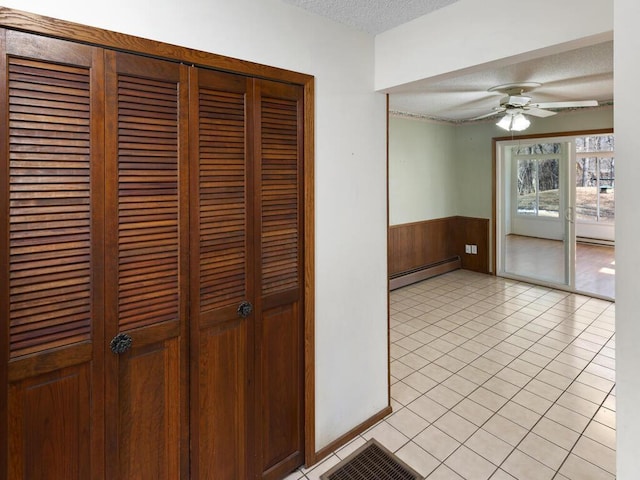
{"x": 520, "y": 122}
{"x": 505, "y": 122}
{"x": 514, "y": 122}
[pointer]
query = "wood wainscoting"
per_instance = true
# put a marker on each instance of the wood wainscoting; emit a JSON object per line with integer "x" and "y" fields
{"x": 424, "y": 249}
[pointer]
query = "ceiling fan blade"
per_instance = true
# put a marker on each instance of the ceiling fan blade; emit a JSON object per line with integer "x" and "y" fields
{"x": 497, "y": 111}
{"x": 538, "y": 112}
{"x": 577, "y": 103}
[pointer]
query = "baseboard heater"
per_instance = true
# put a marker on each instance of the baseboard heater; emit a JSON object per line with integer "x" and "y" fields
{"x": 422, "y": 273}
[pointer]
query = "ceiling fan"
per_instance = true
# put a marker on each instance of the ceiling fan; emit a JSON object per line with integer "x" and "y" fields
{"x": 515, "y": 104}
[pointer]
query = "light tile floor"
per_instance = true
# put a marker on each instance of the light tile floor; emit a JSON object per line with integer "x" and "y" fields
{"x": 497, "y": 379}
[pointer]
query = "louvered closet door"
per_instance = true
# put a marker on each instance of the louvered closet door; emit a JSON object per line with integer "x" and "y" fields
{"x": 146, "y": 255}
{"x": 279, "y": 346}
{"x": 221, "y": 276}
{"x": 51, "y": 298}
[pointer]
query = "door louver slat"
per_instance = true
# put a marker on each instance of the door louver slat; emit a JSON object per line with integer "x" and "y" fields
{"x": 148, "y": 290}
{"x": 279, "y": 195}
{"x": 222, "y": 198}
{"x": 49, "y": 192}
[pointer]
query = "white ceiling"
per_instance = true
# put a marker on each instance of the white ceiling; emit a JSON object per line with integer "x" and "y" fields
{"x": 581, "y": 74}
{"x": 372, "y": 16}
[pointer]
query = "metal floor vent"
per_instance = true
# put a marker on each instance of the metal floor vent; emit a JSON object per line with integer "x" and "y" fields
{"x": 372, "y": 461}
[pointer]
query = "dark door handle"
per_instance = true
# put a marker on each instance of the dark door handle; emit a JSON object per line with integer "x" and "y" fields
{"x": 121, "y": 343}
{"x": 245, "y": 309}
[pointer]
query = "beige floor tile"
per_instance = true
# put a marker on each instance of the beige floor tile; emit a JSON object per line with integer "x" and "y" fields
{"x": 351, "y": 447}
{"x": 459, "y": 384}
{"x": 588, "y": 393}
{"x": 450, "y": 363}
{"x": 474, "y": 374}
{"x": 532, "y": 401}
{"x": 554, "y": 379}
{"x": 407, "y": 422}
{"x": 505, "y": 429}
{"x": 317, "y": 470}
{"x": 544, "y": 390}
{"x": 400, "y": 370}
{"x": 444, "y": 473}
{"x": 419, "y": 382}
{"x": 543, "y": 451}
{"x": 564, "y": 369}
{"x": 596, "y": 453}
{"x": 444, "y": 396}
{"x": 489, "y": 446}
{"x": 455, "y": 426}
{"x": 427, "y": 408}
{"x": 472, "y": 411}
{"x": 606, "y": 417}
{"x": 568, "y": 418}
{"x": 436, "y": 442}
{"x": 578, "y": 404}
{"x": 403, "y": 393}
{"x": 488, "y": 399}
{"x": 436, "y": 372}
{"x": 414, "y": 361}
{"x": 386, "y": 435}
{"x": 418, "y": 459}
{"x": 554, "y": 432}
{"x": 501, "y": 387}
{"x": 576, "y": 468}
{"x": 521, "y": 415}
{"x": 601, "y": 434}
{"x": 502, "y": 475}
{"x": 471, "y": 351}
{"x": 470, "y": 465}
{"x": 524, "y": 467}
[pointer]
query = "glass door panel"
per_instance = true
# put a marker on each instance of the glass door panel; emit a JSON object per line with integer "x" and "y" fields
{"x": 536, "y": 219}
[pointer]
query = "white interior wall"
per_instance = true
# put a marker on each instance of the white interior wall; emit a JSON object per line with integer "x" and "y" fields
{"x": 627, "y": 70}
{"x": 350, "y": 169}
{"x": 422, "y": 183}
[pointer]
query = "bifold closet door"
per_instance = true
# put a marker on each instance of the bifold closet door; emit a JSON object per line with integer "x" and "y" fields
{"x": 51, "y": 259}
{"x": 146, "y": 250}
{"x": 222, "y": 285}
{"x": 246, "y": 277}
{"x": 279, "y": 246}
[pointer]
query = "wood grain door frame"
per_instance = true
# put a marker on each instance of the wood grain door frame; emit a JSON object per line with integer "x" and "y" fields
{"x": 23, "y": 21}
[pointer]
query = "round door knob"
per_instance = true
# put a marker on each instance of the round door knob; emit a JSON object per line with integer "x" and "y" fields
{"x": 245, "y": 309}
{"x": 121, "y": 343}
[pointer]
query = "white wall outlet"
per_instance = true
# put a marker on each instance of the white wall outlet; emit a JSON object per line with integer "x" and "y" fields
{"x": 474, "y": 249}
{"x": 467, "y": 249}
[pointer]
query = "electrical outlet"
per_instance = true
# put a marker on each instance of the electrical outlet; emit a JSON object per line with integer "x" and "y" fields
{"x": 474, "y": 249}
{"x": 467, "y": 249}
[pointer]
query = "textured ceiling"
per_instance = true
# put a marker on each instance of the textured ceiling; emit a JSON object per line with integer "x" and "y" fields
{"x": 372, "y": 16}
{"x": 581, "y": 74}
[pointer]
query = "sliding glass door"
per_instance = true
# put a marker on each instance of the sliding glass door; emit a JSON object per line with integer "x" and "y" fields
{"x": 555, "y": 212}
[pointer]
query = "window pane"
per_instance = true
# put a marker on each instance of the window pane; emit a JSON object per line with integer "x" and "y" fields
{"x": 606, "y": 190}
{"x": 527, "y": 186}
{"x": 595, "y": 143}
{"x": 586, "y": 189}
{"x": 548, "y": 184}
{"x": 537, "y": 149}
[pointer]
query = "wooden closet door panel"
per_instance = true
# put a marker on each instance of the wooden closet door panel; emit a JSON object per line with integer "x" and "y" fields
{"x": 51, "y": 254}
{"x": 279, "y": 351}
{"x": 221, "y": 259}
{"x": 146, "y": 267}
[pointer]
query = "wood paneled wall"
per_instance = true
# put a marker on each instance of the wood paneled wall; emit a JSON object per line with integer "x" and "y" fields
{"x": 420, "y": 245}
